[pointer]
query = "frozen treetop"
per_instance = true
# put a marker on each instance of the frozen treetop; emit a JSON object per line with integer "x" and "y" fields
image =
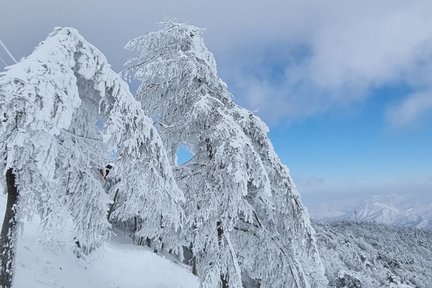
{"x": 63, "y": 53}
{"x": 40, "y": 94}
{"x": 178, "y": 39}
{"x": 44, "y": 83}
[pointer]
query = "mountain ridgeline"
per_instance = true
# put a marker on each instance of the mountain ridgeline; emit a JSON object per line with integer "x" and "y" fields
{"x": 393, "y": 210}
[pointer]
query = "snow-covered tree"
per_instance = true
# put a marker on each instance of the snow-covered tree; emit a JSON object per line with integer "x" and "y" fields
{"x": 289, "y": 224}
{"x": 62, "y": 111}
{"x": 375, "y": 255}
{"x": 244, "y": 214}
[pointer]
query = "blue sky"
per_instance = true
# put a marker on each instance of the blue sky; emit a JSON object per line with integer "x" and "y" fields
{"x": 363, "y": 143}
{"x": 355, "y": 150}
{"x": 352, "y": 151}
{"x": 345, "y": 86}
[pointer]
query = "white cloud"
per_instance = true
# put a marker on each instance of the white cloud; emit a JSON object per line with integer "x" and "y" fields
{"x": 352, "y": 46}
{"x": 370, "y": 43}
{"x": 361, "y": 189}
{"x": 415, "y": 107}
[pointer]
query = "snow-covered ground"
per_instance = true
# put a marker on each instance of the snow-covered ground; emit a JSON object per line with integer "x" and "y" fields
{"x": 118, "y": 264}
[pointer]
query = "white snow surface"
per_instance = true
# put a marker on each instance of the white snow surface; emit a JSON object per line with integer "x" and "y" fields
{"x": 117, "y": 264}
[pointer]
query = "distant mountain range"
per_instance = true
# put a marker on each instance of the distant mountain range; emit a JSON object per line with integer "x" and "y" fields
{"x": 391, "y": 210}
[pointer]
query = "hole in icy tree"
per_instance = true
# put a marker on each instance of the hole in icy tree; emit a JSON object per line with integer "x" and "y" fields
{"x": 184, "y": 154}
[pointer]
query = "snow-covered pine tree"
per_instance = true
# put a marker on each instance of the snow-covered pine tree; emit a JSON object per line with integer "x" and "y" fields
{"x": 214, "y": 138}
{"x": 244, "y": 214}
{"x": 289, "y": 225}
{"x": 52, "y": 147}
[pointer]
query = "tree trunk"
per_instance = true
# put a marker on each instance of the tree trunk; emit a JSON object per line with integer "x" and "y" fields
{"x": 9, "y": 232}
{"x": 223, "y": 278}
{"x": 112, "y": 206}
{"x": 194, "y": 266}
{"x": 224, "y": 282}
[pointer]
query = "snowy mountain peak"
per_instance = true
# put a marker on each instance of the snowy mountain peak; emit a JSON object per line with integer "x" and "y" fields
{"x": 389, "y": 209}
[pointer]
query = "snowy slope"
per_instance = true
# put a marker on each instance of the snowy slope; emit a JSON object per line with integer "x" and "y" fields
{"x": 117, "y": 264}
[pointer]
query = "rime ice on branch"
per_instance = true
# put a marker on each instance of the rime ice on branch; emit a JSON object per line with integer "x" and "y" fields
{"x": 245, "y": 218}
{"x": 50, "y": 103}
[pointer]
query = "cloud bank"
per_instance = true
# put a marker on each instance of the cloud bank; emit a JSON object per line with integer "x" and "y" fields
{"x": 287, "y": 59}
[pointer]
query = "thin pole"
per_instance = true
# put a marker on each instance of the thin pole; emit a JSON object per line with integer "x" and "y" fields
{"x": 2, "y": 60}
{"x": 8, "y": 52}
